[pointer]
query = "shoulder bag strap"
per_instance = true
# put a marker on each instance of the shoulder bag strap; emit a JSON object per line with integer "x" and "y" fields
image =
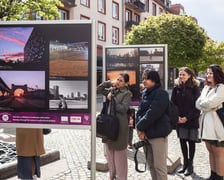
{"x": 136, "y": 162}
{"x": 112, "y": 106}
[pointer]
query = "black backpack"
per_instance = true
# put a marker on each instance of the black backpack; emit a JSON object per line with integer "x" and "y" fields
{"x": 173, "y": 114}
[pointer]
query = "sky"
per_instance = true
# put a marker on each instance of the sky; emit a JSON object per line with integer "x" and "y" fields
{"x": 13, "y": 40}
{"x": 68, "y": 87}
{"x": 31, "y": 78}
{"x": 209, "y": 13}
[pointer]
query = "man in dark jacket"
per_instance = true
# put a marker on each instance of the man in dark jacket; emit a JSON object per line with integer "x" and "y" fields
{"x": 153, "y": 124}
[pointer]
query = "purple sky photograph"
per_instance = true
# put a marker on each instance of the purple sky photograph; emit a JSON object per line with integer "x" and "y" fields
{"x": 34, "y": 79}
{"x": 13, "y": 41}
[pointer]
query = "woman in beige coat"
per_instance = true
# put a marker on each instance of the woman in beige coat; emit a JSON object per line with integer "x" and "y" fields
{"x": 29, "y": 147}
{"x": 211, "y": 127}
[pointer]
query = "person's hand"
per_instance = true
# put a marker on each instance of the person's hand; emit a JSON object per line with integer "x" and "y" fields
{"x": 109, "y": 96}
{"x": 141, "y": 135}
{"x": 113, "y": 82}
{"x": 182, "y": 120}
{"x": 141, "y": 86}
{"x": 131, "y": 121}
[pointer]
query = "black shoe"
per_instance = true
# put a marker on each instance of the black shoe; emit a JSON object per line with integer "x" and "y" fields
{"x": 184, "y": 167}
{"x": 182, "y": 170}
{"x": 212, "y": 176}
{"x": 189, "y": 169}
{"x": 217, "y": 177}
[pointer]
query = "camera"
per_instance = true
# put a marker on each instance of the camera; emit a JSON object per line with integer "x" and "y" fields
{"x": 140, "y": 144}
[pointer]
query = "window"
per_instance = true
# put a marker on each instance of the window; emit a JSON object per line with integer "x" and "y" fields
{"x": 160, "y": 10}
{"x": 85, "y": 2}
{"x": 101, "y": 31}
{"x": 153, "y": 9}
{"x": 136, "y": 18}
{"x": 102, "y": 6}
{"x": 147, "y": 5}
{"x": 115, "y": 10}
{"x": 63, "y": 14}
{"x": 127, "y": 15}
{"x": 115, "y": 35}
{"x": 36, "y": 17}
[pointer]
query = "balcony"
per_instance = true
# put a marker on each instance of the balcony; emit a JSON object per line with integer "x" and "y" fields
{"x": 136, "y": 5}
{"x": 130, "y": 23}
{"x": 69, "y": 3}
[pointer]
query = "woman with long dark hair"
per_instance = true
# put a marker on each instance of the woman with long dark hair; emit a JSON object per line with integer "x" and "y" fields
{"x": 211, "y": 127}
{"x": 184, "y": 96}
{"x": 116, "y": 151}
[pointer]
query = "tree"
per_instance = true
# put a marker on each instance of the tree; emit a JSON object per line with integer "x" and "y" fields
{"x": 213, "y": 53}
{"x": 23, "y": 9}
{"x": 185, "y": 38}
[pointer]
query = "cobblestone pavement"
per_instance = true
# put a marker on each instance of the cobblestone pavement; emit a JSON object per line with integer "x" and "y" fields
{"x": 75, "y": 147}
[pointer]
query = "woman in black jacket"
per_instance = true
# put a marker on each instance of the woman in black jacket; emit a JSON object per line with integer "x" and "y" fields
{"x": 153, "y": 124}
{"x": 184, "y": 96}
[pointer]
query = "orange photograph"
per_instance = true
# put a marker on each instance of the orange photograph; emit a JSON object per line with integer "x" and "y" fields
{"x": 68, "y": 59}
{"x": 112, "y": 75}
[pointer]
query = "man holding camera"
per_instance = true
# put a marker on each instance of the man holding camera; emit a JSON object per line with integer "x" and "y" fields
{"x": 153, "y": 124}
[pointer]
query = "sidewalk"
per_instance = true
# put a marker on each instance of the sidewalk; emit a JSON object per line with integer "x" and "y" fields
{"x": 75, "y": 150}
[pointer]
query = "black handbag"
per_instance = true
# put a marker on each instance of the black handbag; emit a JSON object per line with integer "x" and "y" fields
{"x": 107, "y": 123}
{"x": 220, "y": 113}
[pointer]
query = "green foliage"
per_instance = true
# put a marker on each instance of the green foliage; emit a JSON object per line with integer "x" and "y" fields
{"x": 185, "y": 38}
{"x": 23, "y": 9}
{"x": 213, "y": 53}
{"x": 10, "y": 10}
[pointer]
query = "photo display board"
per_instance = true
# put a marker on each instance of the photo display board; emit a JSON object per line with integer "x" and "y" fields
{"x": 134, "y": 59}
{"x": 45, "y": 70}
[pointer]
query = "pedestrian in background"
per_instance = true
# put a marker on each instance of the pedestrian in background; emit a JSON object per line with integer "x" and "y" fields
{"x": 116, "y": 151}
{"x": 62, "y": 102}
{"x": 184, "y": 96}
{"x": 29, "y": 147}
{"x": 211, "y": 127}
{"x": 131, "y": 119}
{"x": 153, "y": 124}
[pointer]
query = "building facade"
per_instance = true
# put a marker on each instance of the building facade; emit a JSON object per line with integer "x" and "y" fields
{"x": 114, "y": 18}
